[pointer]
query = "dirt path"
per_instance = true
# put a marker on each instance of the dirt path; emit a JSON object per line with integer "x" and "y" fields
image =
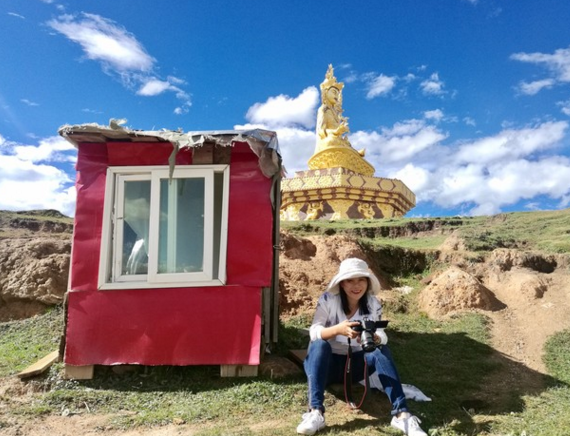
{"x": 521, "y": 329}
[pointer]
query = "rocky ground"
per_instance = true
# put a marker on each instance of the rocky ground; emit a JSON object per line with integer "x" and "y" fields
{"x": 526, "y": 295}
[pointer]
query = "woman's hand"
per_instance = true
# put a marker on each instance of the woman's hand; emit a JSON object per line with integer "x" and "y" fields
{"x": 380, "y": 337}
{"x": 345, "y": 329}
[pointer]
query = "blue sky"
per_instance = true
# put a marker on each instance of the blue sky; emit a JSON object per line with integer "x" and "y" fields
{"x": 466, "y": 101}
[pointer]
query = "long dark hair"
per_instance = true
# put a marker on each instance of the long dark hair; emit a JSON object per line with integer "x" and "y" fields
{"x": 362, "y": 303}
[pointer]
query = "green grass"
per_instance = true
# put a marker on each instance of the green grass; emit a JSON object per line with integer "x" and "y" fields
{"x": 557, "y": 356}
{"x": 547, "y": 231}
{"x": 431, "y": 242}
{"x": 543, "y": 231}
{"x": 24, "y": 342}
{"x": 41, "y": 215}
{"x": 547, "y": 413}
{"x": 448, "y": 360}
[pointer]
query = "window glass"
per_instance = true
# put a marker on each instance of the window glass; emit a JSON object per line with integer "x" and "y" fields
{"x": 163, "y": 229}
{"x": 136, "y": 218}
{"x": 181, "y": 226}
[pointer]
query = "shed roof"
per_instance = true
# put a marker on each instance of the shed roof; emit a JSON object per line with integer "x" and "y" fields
{"x": 263, "y": 143}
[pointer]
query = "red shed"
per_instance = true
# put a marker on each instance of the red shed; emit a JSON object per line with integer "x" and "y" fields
{"x": 174, "y": 248}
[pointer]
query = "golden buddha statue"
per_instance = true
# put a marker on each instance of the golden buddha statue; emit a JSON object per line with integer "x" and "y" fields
{"x": 333, "y": 148}
{"x": 339, "y": 184}
{"x": 331, "y": 125}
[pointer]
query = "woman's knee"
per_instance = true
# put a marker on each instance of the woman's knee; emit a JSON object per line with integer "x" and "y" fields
{"x": 319, "y": 347}
{"x": 380, "y": 355}
{"x": 318, "y": 356}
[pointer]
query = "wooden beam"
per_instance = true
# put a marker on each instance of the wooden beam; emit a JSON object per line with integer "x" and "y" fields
{"x": 238, "y": 370}
{"x": 78, "y": 372}
{"x": 203, "y": 155}
{"x": 298, "y": 356}
{"x": 40, "y": 366}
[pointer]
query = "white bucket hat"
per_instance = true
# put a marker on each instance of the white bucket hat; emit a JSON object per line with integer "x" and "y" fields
{"x": 350, "y": 269}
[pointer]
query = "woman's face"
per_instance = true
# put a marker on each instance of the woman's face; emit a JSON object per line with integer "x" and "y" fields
{"x": 354, "y": 288}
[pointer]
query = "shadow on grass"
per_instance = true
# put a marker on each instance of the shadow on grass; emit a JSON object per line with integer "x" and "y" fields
{"x": 462, "y": 376}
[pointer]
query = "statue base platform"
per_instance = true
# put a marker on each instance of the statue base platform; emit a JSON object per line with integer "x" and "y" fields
{"x": 340, "y": 193}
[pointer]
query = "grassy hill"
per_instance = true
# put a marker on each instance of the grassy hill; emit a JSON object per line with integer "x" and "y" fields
{"x": 546, "y": 231}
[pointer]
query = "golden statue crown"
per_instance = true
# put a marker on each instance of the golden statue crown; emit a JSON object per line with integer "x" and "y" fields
{"x": 330, "y": 80}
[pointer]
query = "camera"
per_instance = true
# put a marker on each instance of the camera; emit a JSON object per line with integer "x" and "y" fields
{"x": 367, "y": 329}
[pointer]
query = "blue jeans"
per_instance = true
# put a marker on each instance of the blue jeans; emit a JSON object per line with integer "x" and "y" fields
{"x": 323, "y": 368}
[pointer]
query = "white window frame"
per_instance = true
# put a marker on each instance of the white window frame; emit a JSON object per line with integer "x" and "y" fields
{"x": 110, "y": 278}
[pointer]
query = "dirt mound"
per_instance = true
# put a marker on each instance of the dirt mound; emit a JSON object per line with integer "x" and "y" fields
{"x": 505, "y": 259}
{"x": 456, "y": 290}
{"x": 453, "y": 243}
{"x": 33, "y": 275}
{"x": 307, "y": 264}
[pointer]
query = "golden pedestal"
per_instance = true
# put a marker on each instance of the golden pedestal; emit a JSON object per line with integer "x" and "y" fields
{"x": 340, "y": 193}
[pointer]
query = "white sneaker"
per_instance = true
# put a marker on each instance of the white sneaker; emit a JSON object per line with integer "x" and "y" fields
{"x": 313, "y": 421}
{"x": 410, "y": 425}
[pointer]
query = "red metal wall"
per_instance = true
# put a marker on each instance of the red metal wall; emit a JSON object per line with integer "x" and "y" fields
{"x": 170, "y": 326}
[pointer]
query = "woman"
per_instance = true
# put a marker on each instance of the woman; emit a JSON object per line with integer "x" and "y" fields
{"x": 349, "y": 298}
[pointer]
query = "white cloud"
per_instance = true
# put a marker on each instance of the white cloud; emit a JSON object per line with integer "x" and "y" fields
{"x": 296, "y": 145}
{"x": 91, "y": 111}
{"x": 512, "y": 143}
{"x": 27, "y": 184}
{"x": 532, "y": 88}
{"x": 416, "y": 178}
{"x": 285, "y": 111}
{"x": 488, "y": 174}
{"x": 557, "y": 63}
{"x": 433, "y": 86}
{"x": 16, "y": 15}
{"x": 469, "y": 121}
{"x": 48, "y": 149}
{"x": 380, "y": 85}
{"x": 120, "y": 54}
{"x": 400, "y": 143}
{"x": 153, "y": 87}
{"x": 479, "y": 176}
{"x": 104, "y": 41}
{"x": 436, "y": 115}
{"x": 565, "y": 107}
{"x": 28, "y": 102}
